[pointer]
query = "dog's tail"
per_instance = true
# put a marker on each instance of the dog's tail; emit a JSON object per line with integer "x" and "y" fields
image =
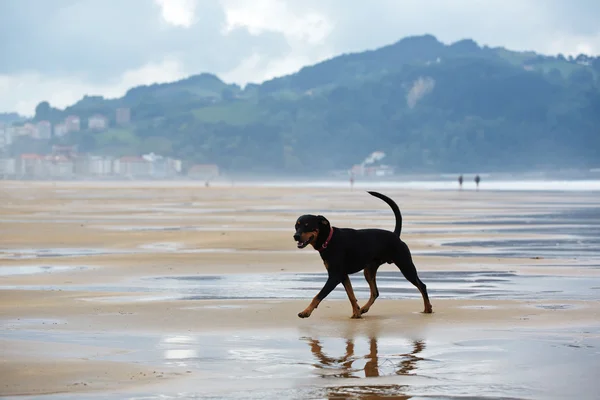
{"x": 395, "y": 209}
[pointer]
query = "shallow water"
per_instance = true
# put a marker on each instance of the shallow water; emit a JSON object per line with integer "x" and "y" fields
{"x": 392, "y": 285}
{"x": 573, "y": 233}
{"x": 306, "y": 363}
{"x": 36, "y": 269}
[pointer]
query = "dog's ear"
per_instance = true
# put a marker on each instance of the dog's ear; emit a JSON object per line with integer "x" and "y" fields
{"x": 323, "y": 220}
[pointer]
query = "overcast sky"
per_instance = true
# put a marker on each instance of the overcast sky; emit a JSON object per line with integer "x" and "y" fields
{"x": 59, "y": 50}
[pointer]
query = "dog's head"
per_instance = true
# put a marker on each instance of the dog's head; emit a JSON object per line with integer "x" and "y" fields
{"x": 308, "y": 228}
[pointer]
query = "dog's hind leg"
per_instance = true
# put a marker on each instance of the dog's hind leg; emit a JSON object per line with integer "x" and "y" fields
{"x": 370, "y": 272}
{"x": 404, "y": 262}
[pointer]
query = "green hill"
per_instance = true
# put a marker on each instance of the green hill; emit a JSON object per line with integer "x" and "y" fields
{"x": 428, "y": 105}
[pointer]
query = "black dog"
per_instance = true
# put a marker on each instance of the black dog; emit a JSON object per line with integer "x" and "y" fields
{"x": 346, "y": 251}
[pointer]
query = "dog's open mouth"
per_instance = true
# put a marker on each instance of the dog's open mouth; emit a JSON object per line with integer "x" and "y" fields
{"x": 302, "y": 245}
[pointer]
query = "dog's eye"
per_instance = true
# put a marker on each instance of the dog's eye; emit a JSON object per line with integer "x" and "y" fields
{"x": 306, "y": 224}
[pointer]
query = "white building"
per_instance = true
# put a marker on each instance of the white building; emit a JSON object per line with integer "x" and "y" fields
{"x": 60, "y": 130}
{"x": 132, "y": 166}
{"x": 98, "y": 122}
{"x": 8, "y": 167}
{"x": 73, "y": 123}
{"x": 30, "y": 130}
{"x": 44, "y": 130}
{"x": 5, "y": 136}
{"x": 58, "y": 167}
{"x": 100, "y": 166}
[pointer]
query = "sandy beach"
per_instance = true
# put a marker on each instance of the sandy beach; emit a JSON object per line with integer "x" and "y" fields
{"x": 148, "y": 290}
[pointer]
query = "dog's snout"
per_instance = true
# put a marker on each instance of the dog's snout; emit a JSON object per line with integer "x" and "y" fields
{"x": 296, "y": 236}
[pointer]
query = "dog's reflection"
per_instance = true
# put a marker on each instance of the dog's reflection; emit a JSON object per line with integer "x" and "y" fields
{"x": 372, "y": 368}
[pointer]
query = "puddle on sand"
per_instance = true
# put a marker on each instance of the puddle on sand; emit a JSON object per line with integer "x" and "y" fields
{"x": 392, "y": 285}
{"x": 158, "y": 247}
{"x": 54, "y": 252}
{"x": 36, "y": 269}
{"x": 555, "y": 306}
{"x": 549, "y": 247}
{"x": 217, "y": 228}
{"x": 579, "y": 236}
{"x": 308, "y": 364}
{"x": 19, "y": 323}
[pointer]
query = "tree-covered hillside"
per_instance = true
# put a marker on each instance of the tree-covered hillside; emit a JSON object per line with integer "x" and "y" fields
{"x": 428, "y": 105}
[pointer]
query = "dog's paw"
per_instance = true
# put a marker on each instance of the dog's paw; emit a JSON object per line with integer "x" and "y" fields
{"x": 356, "y": 316}
{"x": 304, "y": 314}
{"x": 364, "y": 310}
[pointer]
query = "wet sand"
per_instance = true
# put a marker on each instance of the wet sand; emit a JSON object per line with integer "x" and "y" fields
{"x": 147, "y": 291}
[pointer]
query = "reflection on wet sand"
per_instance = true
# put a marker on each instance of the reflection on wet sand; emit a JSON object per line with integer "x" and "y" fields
{"x": 389, "y": 392}
{"x": 375, "y": 365}
{"x": 342, "y": 367}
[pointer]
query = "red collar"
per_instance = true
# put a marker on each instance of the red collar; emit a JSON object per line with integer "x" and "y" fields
{"x": 327, "y": 241}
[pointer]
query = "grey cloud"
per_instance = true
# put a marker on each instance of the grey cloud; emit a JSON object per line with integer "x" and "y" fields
{"x": 62, "y": 37}
{"x": 101, "y": 39}
{"x": 523, "y": 25}
{"x": 579, "y": 16}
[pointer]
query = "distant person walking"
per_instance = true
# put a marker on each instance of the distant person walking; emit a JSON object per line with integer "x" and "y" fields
{"x": 460, "y": 182}
{"x": 351, "y": 182}
{"x": 477, "y": 180}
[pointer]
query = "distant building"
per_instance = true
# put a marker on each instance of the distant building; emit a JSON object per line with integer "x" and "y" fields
{"x": 67, "y": 151}
{"x": 8, "y": 167}
{"x": 371, "y": 166}
{"x": 161, "y": 167}
{"x": 44, "y": 130}
{"x": 5, "y": 136}
{"x": 58, "y": 166}
{"x": 175, "y": 165}
{"x": 100, "y": 166}
{"x": 30, "y": 165}
{"x": 60, "y": 130}
{"x": 123, "y": 116}
{"x": 98, "y": 122}
{"x": 203, "y": 171}
{"x": 73, "y": 123}
{"x": 132, "y": 166}
{"x": 30, "y": 130}
{"x": 96, "y": 166}
{"x": 367, "y": 170}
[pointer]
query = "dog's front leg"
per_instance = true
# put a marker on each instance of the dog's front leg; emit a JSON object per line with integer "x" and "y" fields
{"x": 350, "y": 292}
{"x": 331, "y": 283}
